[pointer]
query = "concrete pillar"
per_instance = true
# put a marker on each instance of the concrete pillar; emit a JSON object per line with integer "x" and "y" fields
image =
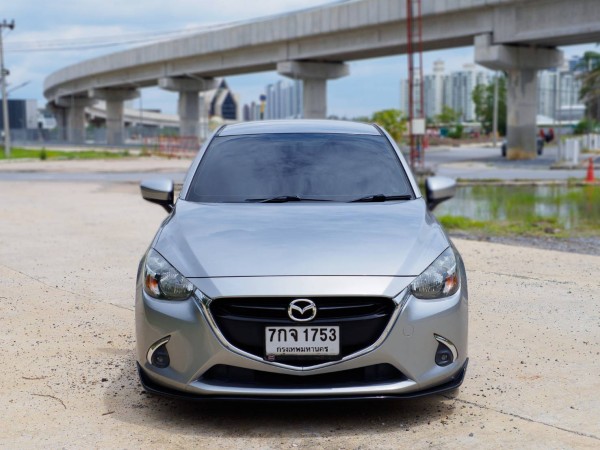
{"x": 115, "y": 99}
{"x": 314, "y": 76}
{"x": 71, "y": 120}
{"x": 521, "y": 112}
{"x": 76, "y": 124}
{"x": 189, "y": 105}
{"x": 521, "y": 64}
{"x": 60, "y": 114}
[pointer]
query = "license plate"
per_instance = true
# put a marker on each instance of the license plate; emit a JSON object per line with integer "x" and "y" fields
{"x": 302, "y": 341}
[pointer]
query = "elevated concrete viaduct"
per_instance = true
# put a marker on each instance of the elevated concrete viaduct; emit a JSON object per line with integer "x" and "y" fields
{"x": 517, "y": 36}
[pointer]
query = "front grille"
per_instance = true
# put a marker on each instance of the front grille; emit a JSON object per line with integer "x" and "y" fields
{"x": 361, "y": 320}
{"x": 223, "y": 375}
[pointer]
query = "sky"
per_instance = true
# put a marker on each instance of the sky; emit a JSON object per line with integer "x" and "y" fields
{"x": 36, "y": 47}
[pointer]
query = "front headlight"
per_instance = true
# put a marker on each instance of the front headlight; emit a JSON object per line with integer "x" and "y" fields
{"x": 162, "y": 281}
{"x": 439, "y": 280}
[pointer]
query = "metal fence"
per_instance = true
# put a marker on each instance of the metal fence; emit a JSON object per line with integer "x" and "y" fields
{"x": 152, "y": 139}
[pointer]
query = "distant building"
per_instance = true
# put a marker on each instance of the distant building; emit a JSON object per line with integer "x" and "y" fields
{"x": 283, "y": 100}
{"x": 251, "y": 112}
{"x": 46, "y": 120}
{"x": 220, "y": 105}
{"x": 22, "y": 115}
{"x": 223, "y": 103}
{"x": 453, "y": 90}
{"x": 575, "y": 64}
{"x": 434, "y": 90}
{"x": 559, "y": 89}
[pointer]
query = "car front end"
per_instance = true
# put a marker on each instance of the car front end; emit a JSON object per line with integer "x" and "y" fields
{"x": 283, "y": 299}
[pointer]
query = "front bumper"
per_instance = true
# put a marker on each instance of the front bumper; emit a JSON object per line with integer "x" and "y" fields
{"x": 157, "y": 389}
{"x": 408, "y": 344}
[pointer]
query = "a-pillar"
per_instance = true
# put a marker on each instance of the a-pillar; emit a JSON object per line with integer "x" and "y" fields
{"x": 188, "y": 105}
{"x": 115, "y": 99}
{"x": 71, "y": 117}
{"x": 314, "y": 76}
{"x": 521, "y": 64}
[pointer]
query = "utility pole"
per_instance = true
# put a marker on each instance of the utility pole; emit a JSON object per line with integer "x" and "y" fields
{"x": 416, "y": 104}
{"x": 560, "y": 156}
{"x": 495, "y": 119}
{"x": 3, "y": 73}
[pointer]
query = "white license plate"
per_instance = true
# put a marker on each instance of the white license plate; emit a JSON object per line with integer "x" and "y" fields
{"x": 302, "y": 341}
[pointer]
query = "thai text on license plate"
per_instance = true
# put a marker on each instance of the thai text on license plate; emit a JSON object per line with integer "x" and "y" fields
{"x": 300, "y": 341}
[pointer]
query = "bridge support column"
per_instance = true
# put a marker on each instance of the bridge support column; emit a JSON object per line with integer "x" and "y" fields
{"x": 521, "y": 65}
{"x": 70, "y": 113}
{"x": 115, "y": 99}
{"x": 60, "y": 114}
{"x": 314, "y": 76}
{"x": 188, "y": 106}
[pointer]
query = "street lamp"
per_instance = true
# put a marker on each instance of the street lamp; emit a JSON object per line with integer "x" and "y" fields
{"x": 3, "y": 73}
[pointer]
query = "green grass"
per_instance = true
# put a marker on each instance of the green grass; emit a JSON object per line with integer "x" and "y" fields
{"x": 545, "y": 210}
{"x": 533, "y": 226}
{"x": 45, "y": 154}
{"x": 461, "y": 223}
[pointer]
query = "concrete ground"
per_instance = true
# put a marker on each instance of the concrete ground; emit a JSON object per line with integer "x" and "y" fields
{"x": 486, "y": 162}
{"x": 68, "y": 257}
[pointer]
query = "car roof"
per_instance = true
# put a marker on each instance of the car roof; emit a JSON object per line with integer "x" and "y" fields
{"x": 298, "y": 126}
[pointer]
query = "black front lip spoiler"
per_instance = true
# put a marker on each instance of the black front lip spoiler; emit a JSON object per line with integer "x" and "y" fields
{"x": 154, "y": 388}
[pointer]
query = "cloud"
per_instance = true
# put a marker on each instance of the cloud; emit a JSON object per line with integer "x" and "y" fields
{"x": 149, "y": 13}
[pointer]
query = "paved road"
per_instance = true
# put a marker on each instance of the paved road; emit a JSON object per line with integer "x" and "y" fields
{"x": 68, "y": 257}
{"x": 488, "y": 163}
{"x": 455, "y": 162}
{"x": 110, "y": 170}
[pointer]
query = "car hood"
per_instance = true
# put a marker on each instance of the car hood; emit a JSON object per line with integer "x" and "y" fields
{"x": 301, "y": 239}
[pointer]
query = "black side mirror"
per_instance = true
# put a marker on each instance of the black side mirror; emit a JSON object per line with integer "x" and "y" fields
{"x": 438, "y": 190}
{"x": 159, "y": 191}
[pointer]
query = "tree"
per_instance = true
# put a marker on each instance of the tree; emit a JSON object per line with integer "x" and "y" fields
{"x": 448, "y": 116}
{"x": 590, "y": 86}
{"x": 483, "y": 97}
{"x": 392, "y": 120}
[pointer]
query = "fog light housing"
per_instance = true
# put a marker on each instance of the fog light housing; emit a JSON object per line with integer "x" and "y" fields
{"x": 158, "y": 355}
{"x": 446, "y": 352}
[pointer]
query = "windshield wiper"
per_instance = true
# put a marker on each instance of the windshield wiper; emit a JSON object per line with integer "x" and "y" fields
{"x": 382, "y": 198}
{"x": 285, "y": 198}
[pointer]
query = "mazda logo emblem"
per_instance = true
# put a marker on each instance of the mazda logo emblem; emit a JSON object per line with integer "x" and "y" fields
{"x": 302, "y": 310}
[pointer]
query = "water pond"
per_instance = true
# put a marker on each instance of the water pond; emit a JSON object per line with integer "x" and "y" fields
{"x": 572, "y": 207}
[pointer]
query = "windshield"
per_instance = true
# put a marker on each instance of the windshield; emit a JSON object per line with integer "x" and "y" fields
{"x": 335, "y": 167}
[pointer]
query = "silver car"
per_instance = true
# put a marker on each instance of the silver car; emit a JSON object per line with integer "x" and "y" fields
{"x": 301, "y": 261}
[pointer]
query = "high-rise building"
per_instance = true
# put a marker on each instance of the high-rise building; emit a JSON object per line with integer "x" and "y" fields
{"x": 453, "y": 90}
{"x": 434, "y": 90}
{"x": 251, "y": 111}
{"x": 559, "y": 89}
{"x": 284, "y": 100}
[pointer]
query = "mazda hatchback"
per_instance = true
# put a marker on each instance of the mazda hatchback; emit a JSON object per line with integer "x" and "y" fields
{"x": 300, "y": 261}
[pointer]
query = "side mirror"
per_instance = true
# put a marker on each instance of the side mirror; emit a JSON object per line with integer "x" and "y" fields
{"x": 159, "y": 191}
{"x": 438, "y": 190}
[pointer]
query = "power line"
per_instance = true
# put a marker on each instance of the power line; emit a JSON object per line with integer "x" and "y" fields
{"x": 124, "y": 39}
{"x": 132, "y": 38}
